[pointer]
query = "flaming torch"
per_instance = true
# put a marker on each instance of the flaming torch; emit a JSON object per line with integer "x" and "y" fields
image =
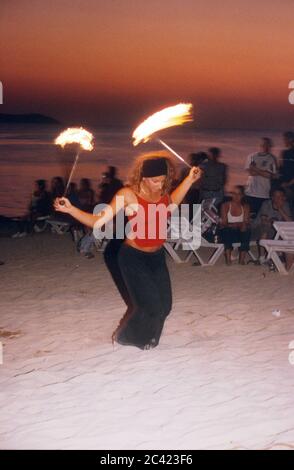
{"x": 167, "y": 117}
{"x": 75, "y": 135}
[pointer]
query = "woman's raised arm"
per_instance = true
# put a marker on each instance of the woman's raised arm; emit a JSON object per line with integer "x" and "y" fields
{"x": 118, "y": 202}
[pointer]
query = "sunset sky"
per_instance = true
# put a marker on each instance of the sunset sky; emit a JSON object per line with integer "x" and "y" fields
{"x": 115, "y": 61}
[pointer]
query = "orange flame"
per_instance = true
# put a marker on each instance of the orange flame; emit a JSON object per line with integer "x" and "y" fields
{"x": 167, "y": 117}
{"x": 75, "y": 135}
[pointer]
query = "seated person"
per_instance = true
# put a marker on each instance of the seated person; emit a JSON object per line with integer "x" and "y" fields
{"x": 235, "y": 224}
{"x": 40, "y": 206}
{"x": 41, "y": 200}
{"x": 272, "y": 210}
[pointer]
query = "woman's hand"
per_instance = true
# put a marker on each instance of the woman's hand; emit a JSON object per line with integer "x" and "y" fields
{"x": 62, "y": 204}
{"x": 195, "y": 174}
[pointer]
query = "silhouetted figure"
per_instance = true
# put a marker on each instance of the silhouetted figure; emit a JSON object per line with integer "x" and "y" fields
{"x": 73, "y": 194}
{"x": 287, "y": 167}
{"x": 214, "y": 177}
{"x": 57, "y": 187}
{"x": 40, "y": 206}
{"x": 86, "y": 195}
{"x": 106, "y": 191}
{"x": 109, "y": 185}
{"x": 193, "y": 195}
{"x": 41, "y": 200}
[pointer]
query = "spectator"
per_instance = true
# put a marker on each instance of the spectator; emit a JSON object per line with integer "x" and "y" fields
{"x": 235, "y": 224}
{"x": 262, "y": 168}
{"x": 273, "y": 210}
{"x": 86, "y": 195}
{"x": 40, "y": 206}
{"x": 214, "y": 177}
{"x": 287, "y": 167}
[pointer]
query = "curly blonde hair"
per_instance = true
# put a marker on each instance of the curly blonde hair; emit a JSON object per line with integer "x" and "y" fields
{"x": 135, "y": 177}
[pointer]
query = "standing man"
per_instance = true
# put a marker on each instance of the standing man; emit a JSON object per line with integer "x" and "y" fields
{"x": 262, "y": 168}
{"x": 214, "y": 177}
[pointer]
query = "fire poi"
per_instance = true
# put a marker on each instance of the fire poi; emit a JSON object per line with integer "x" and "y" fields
{"x": 75, "y": 135}
{"x": 167, "y": 117}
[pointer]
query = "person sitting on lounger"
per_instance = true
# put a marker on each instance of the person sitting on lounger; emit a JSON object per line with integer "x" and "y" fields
{"x": 40, "y": 206}
{"x": 276, "y": 209}
{"x": 235, "y": 224}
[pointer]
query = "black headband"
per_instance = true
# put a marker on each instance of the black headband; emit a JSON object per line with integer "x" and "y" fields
{"x": 154, "y": 167}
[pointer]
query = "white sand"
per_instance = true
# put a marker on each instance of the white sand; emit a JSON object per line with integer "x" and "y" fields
{"x": 220, "y": 378}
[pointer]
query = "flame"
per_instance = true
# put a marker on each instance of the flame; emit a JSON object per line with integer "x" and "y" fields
{"x": 167, "y": 117}
{"x": 76, "y": 135}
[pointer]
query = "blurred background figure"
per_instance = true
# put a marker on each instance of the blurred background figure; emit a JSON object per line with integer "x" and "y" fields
{"x": 107, "y": 188}
{"x": 214, "y": 177}
{"x": 86, "y": 195}
{"x": 287, "y": 168}
{"x": 40, "y": 206}
{"x": 57, "y": 187}
{"x": 235, "y": 224}
{"x": 262, "y": 169}
{"x": 193, "y": 195}
{"x": 109, "y": 185}
{"x": 276, "y": 209}
{"x": 73, "y": 194}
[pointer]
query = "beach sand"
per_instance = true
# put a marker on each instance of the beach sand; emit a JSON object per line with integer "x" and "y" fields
{"x": 220, "y": 379}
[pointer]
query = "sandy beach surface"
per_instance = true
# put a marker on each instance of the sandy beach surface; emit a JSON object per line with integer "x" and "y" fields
{"x": 221, "y": 377}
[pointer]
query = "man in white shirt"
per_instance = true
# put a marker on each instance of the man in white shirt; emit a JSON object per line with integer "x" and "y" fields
{"x": 262, "y": 168}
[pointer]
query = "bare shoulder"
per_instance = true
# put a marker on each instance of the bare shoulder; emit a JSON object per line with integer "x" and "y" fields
{"x": 225, "y": 205}
{"x": 128, "y": 194}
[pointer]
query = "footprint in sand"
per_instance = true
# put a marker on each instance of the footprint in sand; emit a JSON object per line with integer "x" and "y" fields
{"x": 41, "y": 353}
{"x": 291, "y": 355}
{"x": 9, "y": 334}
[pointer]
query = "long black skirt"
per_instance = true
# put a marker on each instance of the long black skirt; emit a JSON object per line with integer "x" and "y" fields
{"x": 147, "y": 280}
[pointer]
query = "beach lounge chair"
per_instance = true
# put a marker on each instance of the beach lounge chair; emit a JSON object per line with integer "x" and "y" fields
{"x": 41, "y": 223}
{"x": 182, "y": 250}
{"x": 282, "y": 243}
{"x": 58, "y": 226}
{"x": 62, "y": 226}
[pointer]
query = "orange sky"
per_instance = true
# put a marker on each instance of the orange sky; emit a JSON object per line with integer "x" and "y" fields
{"x": 117, "y": 60}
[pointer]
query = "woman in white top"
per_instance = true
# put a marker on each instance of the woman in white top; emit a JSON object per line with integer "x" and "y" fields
{"x": 235, "y": 224}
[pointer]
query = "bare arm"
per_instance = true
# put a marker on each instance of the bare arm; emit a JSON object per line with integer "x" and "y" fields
{"x": 224, "y": 215}
{"x": 285, "y": 215}
{"x": 102, "y": 217}
{"x": 246, "y": 222}
{"x": 181, "y": 190}
{"x": 254, "y": 171}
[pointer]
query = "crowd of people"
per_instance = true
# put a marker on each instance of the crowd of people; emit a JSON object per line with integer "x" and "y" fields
{"x": 245, "y": 213}
{"x": 82, "y": 196}
{"x": 248, "y": 212}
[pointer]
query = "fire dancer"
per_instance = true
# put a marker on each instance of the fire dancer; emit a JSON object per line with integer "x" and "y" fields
{"x": 141, "y": 257}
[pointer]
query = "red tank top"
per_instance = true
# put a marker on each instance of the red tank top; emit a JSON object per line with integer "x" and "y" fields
{"x": 150, "y": 223}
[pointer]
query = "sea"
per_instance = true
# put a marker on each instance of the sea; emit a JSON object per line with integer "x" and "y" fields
{"x": 28, "y": 152}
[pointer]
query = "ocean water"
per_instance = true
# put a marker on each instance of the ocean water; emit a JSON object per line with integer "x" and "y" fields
{"x": 28, "y": 153}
